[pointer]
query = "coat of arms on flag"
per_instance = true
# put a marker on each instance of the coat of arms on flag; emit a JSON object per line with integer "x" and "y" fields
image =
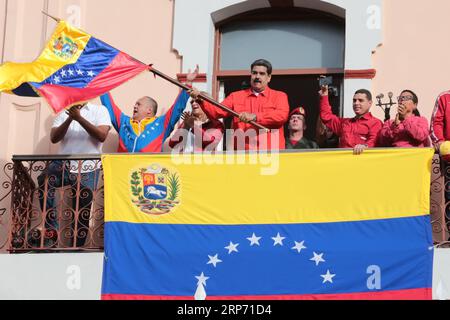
{"x": 155, "y": 190}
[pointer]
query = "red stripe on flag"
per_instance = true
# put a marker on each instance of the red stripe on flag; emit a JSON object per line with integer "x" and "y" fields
{"x": 121, "y": 69}
{"x": 411, "y": 294}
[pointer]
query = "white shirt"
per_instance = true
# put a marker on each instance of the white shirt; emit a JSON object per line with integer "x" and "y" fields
{"x": 77, "y": 140}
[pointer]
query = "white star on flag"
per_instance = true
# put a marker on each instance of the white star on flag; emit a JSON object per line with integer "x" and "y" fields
{"x": 317, "y": 258}
{"x": 80, "y": 72}
{"x": 299, "y": 246}
{"x": 214, "y": 260}
{"x": 201, "y": 279}
{"x": 70, "y": 72}
{"x": 278, "y": 239}
{"x": 328, "y": 277}
{"x": 90, "y": 74}
{"x": 63, "y": 73}
{"x": 254, "y": 240}
{"x": 232, "y": 247}
{"x": 57, "y": 79}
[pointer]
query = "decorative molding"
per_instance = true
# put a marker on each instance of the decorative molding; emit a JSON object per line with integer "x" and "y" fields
{"x": 201, "y": 78}
{"x": 360, "y": 74}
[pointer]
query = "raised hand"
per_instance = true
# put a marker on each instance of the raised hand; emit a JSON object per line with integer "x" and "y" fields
{"x": 191, "y": 76}
{"x": 188, "y": 120}
{"x": 323, "y": 91}
{"x": 402, "y": 111}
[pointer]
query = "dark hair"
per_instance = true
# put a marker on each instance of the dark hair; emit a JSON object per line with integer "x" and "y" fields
{"x": 153, "y": 104}
{"x": 366, "y": 92}
{"x": 262, "y": 63}
{"x": 415, "y": 99}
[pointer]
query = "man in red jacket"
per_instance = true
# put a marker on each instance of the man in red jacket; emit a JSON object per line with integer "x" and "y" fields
{"x": 259, "y": 103}
{"x": 440, "y": 120}
{"x": 440, "y": 133}
{"x": 359, "y": 132}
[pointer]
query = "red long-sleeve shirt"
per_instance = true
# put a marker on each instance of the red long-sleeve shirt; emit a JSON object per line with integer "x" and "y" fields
{"x": 440, "y": 119}
{"x": 351, "y": 131}
{"x": 412, "y": 132}
{"x": 271, "y": 108}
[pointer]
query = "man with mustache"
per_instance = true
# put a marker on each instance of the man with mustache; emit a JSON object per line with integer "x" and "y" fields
{"x": 259, "y": 103}
{"x": 359, "y": 132}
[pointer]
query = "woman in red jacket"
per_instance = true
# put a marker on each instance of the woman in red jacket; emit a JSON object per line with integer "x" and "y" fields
{"x": 408, "y": 129}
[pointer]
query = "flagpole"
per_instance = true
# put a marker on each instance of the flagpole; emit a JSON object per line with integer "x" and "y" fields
{"x": 202, "y": 96}
{"x": 185, "y": 87}
{"x": 52, "y": 17}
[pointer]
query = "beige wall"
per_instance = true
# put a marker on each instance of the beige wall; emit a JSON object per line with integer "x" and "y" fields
{"x": 415, "y": 50}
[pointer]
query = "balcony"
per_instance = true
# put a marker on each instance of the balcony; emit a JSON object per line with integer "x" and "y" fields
{"x": 56, "y": 203}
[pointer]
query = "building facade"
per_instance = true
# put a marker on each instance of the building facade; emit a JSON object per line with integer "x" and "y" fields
{"x": 382, "y": 45}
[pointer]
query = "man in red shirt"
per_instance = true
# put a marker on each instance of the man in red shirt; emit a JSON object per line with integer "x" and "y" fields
{"x": 440, "y": 133}
{"x": 259, "y": 103}
{"x": 440, "y": 120}
{"x": 359, "y": 132}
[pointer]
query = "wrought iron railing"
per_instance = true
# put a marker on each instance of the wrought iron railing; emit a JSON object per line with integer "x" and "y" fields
{"x": 55, "y": 203}
{"x": 439, "y": 207}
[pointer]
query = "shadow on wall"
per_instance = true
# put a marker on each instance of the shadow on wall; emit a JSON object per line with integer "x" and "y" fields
{"x": 44, "y": 145}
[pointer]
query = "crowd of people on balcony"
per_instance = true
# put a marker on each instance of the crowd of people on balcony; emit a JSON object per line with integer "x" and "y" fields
{"x": 83, "y": 129}
{"x": 201, "y": 129}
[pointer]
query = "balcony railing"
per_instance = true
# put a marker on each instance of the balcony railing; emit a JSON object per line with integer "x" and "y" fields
{"x": 56, "y": 204}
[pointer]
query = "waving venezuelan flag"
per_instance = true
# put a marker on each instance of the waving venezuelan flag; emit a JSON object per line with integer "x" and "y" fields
{"x": 328, "y": 225}
{"x": 74, "y": 67}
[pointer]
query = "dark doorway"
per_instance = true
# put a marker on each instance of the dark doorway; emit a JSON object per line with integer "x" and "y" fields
{"x": 302, "y": 90}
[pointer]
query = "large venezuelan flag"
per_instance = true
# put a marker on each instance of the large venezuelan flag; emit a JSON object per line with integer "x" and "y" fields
{"x": 328, "y": 225}
{"x": 73, "y": 68}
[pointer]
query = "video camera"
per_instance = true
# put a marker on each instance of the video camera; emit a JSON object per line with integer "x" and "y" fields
{"x": 327, "y": 81}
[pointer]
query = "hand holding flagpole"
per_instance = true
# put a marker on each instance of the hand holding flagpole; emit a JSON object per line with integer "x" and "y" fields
{"x": 202, "y": 96}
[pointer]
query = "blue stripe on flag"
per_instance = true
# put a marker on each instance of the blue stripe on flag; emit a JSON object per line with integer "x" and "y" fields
{"x": 95, "y": 58}
{"x": 152, "y": 259}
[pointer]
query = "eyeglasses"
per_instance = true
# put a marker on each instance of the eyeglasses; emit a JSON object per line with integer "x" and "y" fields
{"x": 194, "y": 101}
{"x": 404, "y": 98}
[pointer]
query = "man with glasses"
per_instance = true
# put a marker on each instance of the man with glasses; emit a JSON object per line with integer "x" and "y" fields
{"x": 408, "y": 129}
{"x": 359, "y": 132}
{"x": 197, "y": 132}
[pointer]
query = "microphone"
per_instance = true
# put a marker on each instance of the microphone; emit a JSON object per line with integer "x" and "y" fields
{"x": 380, "y": 96}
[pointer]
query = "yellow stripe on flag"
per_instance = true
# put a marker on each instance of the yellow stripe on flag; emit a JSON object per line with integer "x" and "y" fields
{"x": 12, "y": 75}
{"x": 311, "y": 187}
